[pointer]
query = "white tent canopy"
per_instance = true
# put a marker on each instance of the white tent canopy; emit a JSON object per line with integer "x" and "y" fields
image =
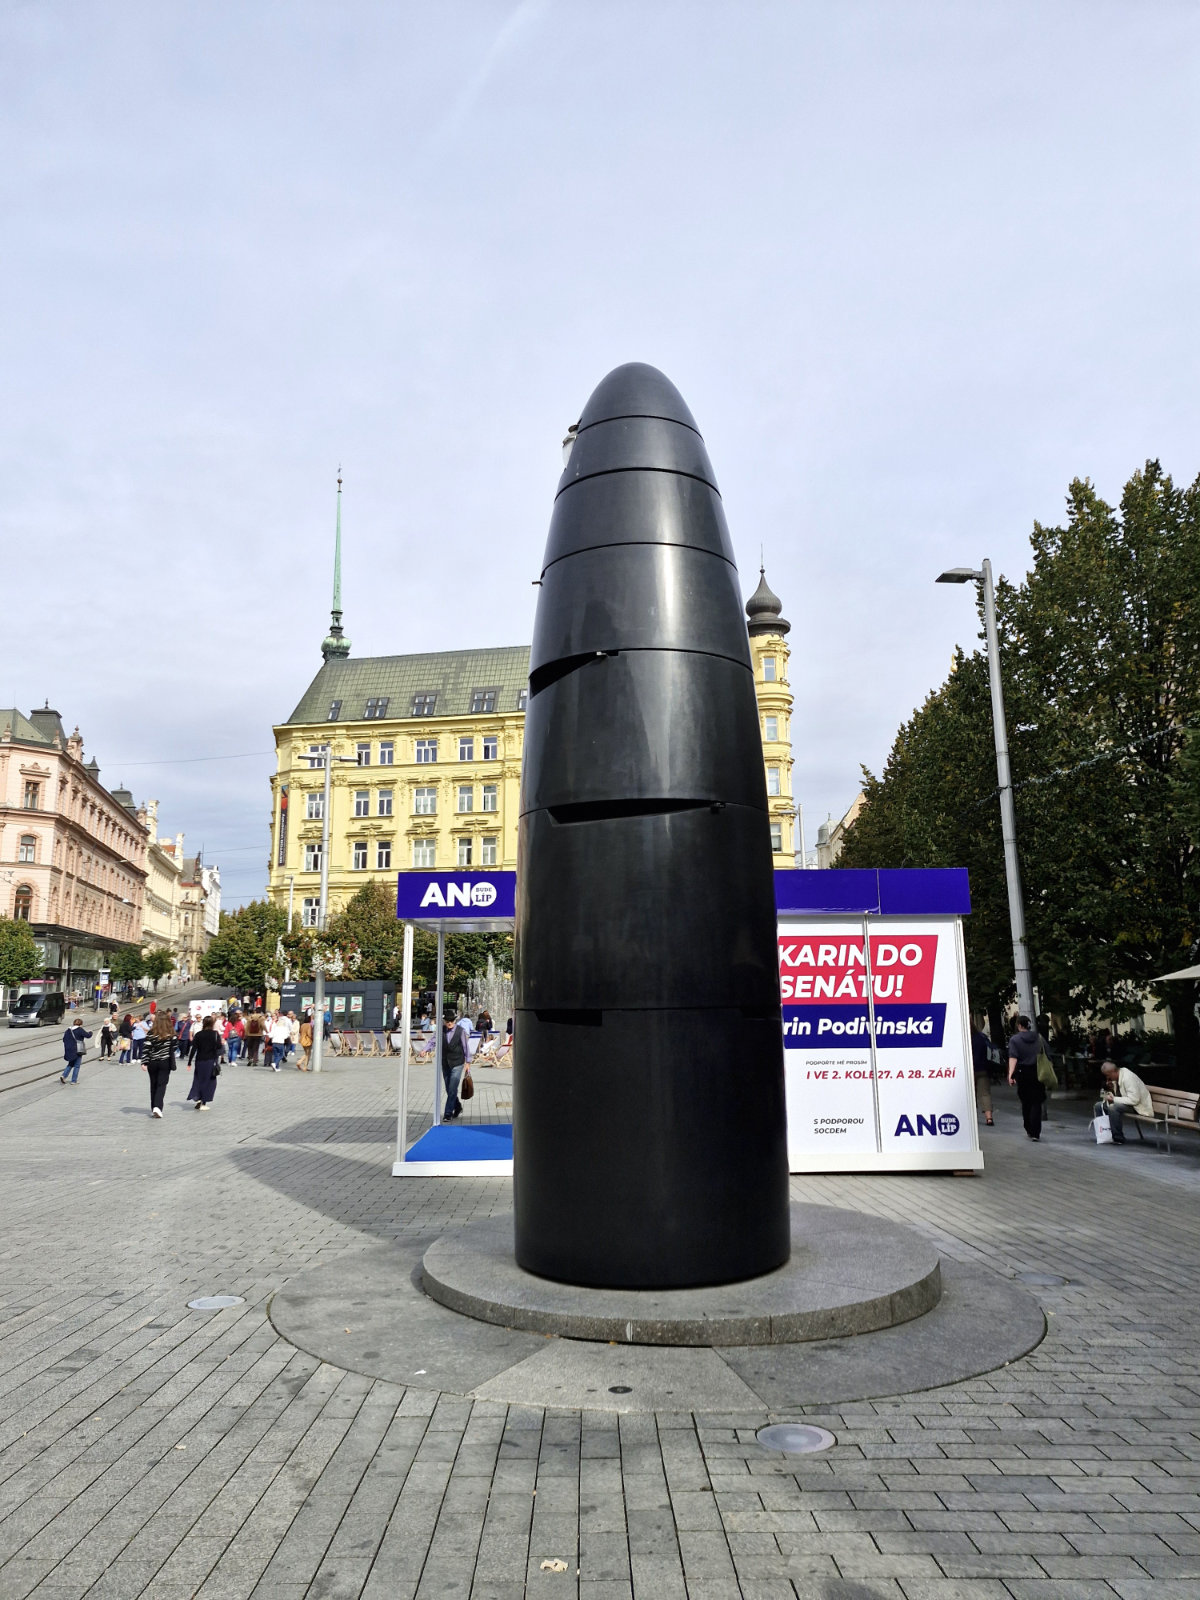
{"x": 1184, "y": 972}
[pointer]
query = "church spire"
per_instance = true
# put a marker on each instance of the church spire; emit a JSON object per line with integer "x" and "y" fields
{"x": 337, "y": 647}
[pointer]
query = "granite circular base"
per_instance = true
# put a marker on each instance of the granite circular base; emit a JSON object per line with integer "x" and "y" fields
{"x": 848, "y": 1274}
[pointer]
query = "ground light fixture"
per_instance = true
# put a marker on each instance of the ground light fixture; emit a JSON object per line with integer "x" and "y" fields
{"x": 795, "y": 1438}
{"x": 216, "y": 1302}
{"x": 1008, "y": 818}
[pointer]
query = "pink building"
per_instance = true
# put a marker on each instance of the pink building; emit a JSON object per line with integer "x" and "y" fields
{"x": 72, "y": 855}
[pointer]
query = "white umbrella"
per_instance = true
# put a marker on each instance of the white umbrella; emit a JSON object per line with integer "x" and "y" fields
{"x": 1184, "y": 972}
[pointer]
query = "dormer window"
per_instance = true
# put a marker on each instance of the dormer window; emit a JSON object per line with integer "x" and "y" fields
{"x": 377, "y": 706}
{"x": 423, "y": 705}
{"x": 483, "y": 701}
{"x": 335, "y": 710}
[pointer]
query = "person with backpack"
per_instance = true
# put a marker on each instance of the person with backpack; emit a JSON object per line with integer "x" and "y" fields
{"x": 254, "y": 1038}
{"x": 75, "y": 1040}
{"x": 1024, "y": 1048}
{"x": 158, "y": 1060}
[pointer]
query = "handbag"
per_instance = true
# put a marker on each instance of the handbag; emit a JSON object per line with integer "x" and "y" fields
{"x": 1102, "y": 1128}
{"x": 1046, "y": 1075}
{"x": 466, "y": 1089}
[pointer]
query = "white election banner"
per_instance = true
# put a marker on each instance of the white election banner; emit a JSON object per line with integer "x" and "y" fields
{"x": 876, "y": 1044}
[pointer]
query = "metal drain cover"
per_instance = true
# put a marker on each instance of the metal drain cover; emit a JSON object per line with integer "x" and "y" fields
{"x": 794, "y": 1438}
{"x": 216, "y": 1302}
{"x": 1041, "y": 1280}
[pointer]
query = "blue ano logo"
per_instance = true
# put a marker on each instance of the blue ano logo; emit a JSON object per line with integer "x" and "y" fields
{"x": 947, "y": 1125}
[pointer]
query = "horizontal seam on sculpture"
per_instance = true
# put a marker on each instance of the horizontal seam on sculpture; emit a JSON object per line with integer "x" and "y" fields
{"x": 658, "y": 544}
{"x": 582, "y": 658}
{"x": 608, "y": 472}
{"x": 640, "y": 416}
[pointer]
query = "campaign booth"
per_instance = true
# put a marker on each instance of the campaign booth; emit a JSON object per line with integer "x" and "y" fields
{"x": 448, "y": 902}
{"x": 876, "y": 1023}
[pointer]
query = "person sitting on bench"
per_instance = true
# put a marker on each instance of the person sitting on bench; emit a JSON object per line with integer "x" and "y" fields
{"x": 1123, "y": 1091}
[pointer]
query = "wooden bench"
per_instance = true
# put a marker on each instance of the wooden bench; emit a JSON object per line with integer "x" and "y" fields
{"x": 1173, "y": 1108}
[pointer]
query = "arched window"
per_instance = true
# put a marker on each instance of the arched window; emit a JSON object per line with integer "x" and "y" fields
{"x": 23, "y": 903}
{"x": 27, "y": 849}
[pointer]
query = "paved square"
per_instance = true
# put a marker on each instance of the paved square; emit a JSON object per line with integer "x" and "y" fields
{"x": 146, "y": 1449}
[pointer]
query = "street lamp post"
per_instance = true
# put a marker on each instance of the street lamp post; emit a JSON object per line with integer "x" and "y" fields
{"x": 318, "y": 1045}
{"x": 1008, "y": 819}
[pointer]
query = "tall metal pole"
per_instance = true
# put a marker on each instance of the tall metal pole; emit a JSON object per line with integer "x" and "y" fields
{"x": 1008, "y": 819}
{"x": 801, "y": 853}
{"x": 438, "y": 1003}
{"x": 318, "y": 1049}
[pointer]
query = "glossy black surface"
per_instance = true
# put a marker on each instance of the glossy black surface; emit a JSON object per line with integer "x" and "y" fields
{"x": 667, "y": 1133}
{"x": 657, "y": 597}
{"x": 639, "y": 508}
{"x": 650, "y": 1131}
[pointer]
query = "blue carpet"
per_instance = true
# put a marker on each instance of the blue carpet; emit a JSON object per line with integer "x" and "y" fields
{"x": 458, "y": 1141}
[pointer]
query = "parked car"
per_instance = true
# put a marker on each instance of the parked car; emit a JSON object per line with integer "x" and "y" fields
{"x": 36, "y": 1010}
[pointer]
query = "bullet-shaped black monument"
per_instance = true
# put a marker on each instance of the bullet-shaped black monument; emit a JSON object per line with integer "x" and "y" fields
{"x": 649, "y": 1124}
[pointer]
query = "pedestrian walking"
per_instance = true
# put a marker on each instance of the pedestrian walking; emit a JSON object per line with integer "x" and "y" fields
{"x": 137, "y": 1039}
{"x": 75, "y": 1040}
{"x": 204, "y": 1057}
{"x": 125, "y": 1034}
{"x": 281, "y": 1039}
{"x": 107, "y": 1035}
{"x": 1023, "y": 1050}
{"x": 981, "y": 1059}
{"x": 158, "y": 1060}
{"x": 254, "y": 1038}
{"x": 454, "y": 1060}
{"x": 306, "y": 1039}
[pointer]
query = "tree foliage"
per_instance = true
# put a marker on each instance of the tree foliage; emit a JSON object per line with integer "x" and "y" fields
{"x": 158, "y": 962}
{"x": 1100, "y": 658}
{"x": 20, "y": 958}
{"x": 128, "y": 964}
{"x": 243, "y": 949}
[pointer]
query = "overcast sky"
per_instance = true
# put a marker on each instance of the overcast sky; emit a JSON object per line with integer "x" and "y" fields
{"x": 913, "y": 267}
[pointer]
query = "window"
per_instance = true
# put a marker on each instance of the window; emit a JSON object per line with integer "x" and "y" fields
{"x": 335, "y": 710}
{"x": 522, "y": 699}
{"x": 483, "y": 700}
{"x": 772, "y": 780}
{"x": 776, "y": 837}
{"x": 487, "y": 852}
{"x": 310, "y": 910}
{"x": 383, "y": 855}
{"x": 377, "y": 707}
{"x": 314, "y": 806}
{"x": 464, "y": 852}
{"x": 769, "y": 669}
{"x": 316, "y": 755}
{"x": 23, "y": 903}
{"x": 362, "y": 802}
{"x": 770, "y": 728}
{"x": 312, "y": 858}
{"x": 425, "y": 802}
{"x": 32, "y": 794}
{"x": 387, "y": 753}
{"x": 362, "y": 753}
{"x": 426, "y": 751}
{"x": 360, "y": 855}
{"x": 424, "y": 852}
{"x": 491, "y": 747}
{"x": 385, "y": 802}
{"x": 423, "y": 705}
{"x": 466, "y": 748}
{"x": 27, "y": 848}
{"x": 490, "y": 793}
{"x": 466, "y": 797}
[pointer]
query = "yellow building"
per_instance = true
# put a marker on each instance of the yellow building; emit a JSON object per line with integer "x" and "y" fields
{"x": 427, "y": 760}
{"x": 769, "y": 651}
{"x": 429, "y": 775}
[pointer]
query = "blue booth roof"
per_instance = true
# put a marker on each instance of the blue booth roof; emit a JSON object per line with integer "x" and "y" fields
{"x": 880, "y": 891}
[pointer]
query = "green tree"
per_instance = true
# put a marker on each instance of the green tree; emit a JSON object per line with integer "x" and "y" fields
{"x": 158, "y": 963}
{"x": 243, "y": 949}
{"x": 20, "y": 958}
{"x": 128, "y": 964}
{"x": 1100, "y": 656}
